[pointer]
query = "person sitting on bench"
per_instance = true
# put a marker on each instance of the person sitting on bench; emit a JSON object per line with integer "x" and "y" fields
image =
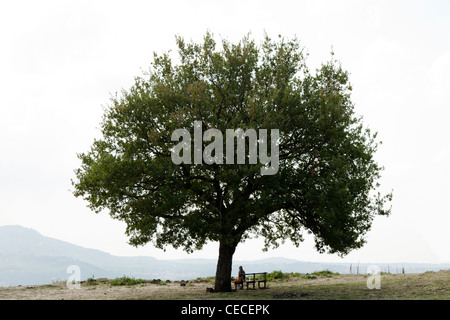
{"x": 241, "y": 278}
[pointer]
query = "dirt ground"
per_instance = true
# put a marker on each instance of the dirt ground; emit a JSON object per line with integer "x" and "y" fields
{"x": 103, "y": 291}
{"x": 426, "y": 286}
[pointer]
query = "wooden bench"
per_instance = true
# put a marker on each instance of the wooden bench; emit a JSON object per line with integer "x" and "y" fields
{"x": 250, "y": 278}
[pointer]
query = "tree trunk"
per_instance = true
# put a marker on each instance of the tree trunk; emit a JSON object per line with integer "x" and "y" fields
{"x": 223, "y": 272}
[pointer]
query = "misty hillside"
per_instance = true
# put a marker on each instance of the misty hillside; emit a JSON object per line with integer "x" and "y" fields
{"x": 27, "y": 257}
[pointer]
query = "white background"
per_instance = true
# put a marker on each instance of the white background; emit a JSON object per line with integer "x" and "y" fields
{"x": 60, "y": 62}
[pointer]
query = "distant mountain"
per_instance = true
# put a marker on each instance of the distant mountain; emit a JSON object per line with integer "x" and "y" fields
{"x": 27, "y": 258}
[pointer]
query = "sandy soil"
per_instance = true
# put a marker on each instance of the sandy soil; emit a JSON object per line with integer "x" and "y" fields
{"x": 430, "y": 285}
{"x": 103, "y": 291}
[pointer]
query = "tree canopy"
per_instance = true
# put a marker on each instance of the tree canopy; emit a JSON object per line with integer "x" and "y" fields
{"x": 326, "y": 181}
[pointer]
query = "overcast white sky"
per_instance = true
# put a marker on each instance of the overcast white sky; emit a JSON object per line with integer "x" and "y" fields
{"x": 61, "y": 60}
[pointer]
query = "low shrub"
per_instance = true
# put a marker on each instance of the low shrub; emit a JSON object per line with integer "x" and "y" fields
{"x": 277, "y": 275}
{"x": 325, "y": 273}
{"x": 125, "y": 281}
{"x": 91, "y": 281}
{"x": 308, "y": 276}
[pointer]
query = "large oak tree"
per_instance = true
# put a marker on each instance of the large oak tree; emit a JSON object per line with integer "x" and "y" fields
{"x": 327, "y": 179}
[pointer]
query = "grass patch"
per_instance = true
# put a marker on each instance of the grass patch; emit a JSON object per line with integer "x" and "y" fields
{"x": 126, "y": 281}
{"x": 91, "y": 281}
{"x": 308, "y": 276}
{"x": 325, "y": 273}
{"x": 210, "y": 280}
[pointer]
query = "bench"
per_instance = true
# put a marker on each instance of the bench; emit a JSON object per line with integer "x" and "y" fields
{"x": 250, "y": 278}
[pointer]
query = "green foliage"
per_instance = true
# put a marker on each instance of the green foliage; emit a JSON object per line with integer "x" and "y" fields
{"x": 91, "y": 281}
{"x": 209, "y": 279}
{"x": 325, "y": 273}
{"x": 126, "y": 281}
{"x": 276, "y": 275}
